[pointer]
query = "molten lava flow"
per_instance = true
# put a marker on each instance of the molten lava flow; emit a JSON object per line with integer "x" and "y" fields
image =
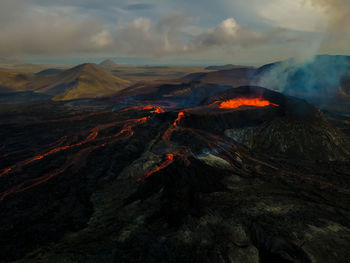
{"x": 29, "y": 184}
{"x": 75, "y": 162}
{"x": 166, "y": 136}
{"x": 154, "y": 109}
{"x": 239, "y": 102}
{"x": 178, "y": 119}
{"x": 151, "y": 108}
{"x": 126, "y": 131}
{"x": 168, "y": 160}
{"x": 90, "y": 137}
{"x": 78, "y": 159}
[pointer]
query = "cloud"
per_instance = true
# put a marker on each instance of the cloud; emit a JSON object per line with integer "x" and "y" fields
{"x": 231, "y": 38}
{"x": 296, "y": 15}
{"x": 145, "y": 39}
{"x": 47, "y": 31}
{"x": 338, "y": 12}
{"x": 226, "y": 33}
{"x": 123, "y": 28}
{"x": 337, "y": 35}
{"x": 43, "y": 31}
{"x": 60, "y": 31}
{"x": 32, "y": 30}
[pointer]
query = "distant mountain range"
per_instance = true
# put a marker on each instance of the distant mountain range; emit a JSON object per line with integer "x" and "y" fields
{"x": 223, "y": 67}
{"x": 83, "y": 81}
{"x": 325, "y": 76}
{"x": 108, "y": 64}
{"x": 16, "y": 65}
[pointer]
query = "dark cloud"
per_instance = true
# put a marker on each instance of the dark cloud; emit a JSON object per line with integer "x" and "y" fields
{"x": 119, "y": 28}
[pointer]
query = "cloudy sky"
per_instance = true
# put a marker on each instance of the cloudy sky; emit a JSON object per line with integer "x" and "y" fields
{"x": 173, "y": 32}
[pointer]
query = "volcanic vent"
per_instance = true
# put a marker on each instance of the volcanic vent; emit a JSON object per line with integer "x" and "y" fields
{"x": 269, "y": 122}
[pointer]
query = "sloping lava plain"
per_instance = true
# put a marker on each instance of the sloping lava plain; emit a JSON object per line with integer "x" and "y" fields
{"x": 251, "y": 183}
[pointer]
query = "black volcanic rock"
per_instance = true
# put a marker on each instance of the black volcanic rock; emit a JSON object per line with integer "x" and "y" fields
{"x": 145, "y": 185}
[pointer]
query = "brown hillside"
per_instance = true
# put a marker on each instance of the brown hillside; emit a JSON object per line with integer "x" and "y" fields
{"x": 83, "y": 81}
{"x": 14, "y": 82}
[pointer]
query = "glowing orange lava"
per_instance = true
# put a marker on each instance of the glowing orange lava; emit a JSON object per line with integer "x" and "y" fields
{"x": 168, "y": 160}
{"x": 169, "y": 157}
{"x": 166, "y": 136}
{"x": 178, "y": 119}
{"x": 78, "y": 159}
{"x": 151, "y": 108}
{"x": 239, "y": 102}
{"x": 154, "y": 109}
{"x": 90, "y": 137}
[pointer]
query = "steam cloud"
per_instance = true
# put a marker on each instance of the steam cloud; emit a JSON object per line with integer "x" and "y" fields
{"x": 311, "y": 75}
{"x": 319, "y": 78}
{"x": 338, "y": 12}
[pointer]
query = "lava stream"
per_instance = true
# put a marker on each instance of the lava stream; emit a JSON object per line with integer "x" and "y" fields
{"x": 30, "y": 184}
{"x": 90, "y": 137}
{"x": 78, "y": 159}
{"x": 56, "y": 143}
{"x": 151, "y": 108}
{"x": 166, "y": 136}
{"x": 127, "y": 131}
{"x": 239, "y": 102}
{"x": 75, "y": 162}
{"x": 168, "y": 160}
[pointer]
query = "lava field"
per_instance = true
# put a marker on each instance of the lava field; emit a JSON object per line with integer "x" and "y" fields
{"x": 226, "y": 175}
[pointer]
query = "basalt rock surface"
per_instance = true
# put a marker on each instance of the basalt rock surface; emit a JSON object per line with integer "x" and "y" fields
{"x": 200, "y": 184}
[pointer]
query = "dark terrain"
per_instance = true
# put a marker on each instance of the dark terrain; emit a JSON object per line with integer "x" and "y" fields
{"x": 168, "y": 173}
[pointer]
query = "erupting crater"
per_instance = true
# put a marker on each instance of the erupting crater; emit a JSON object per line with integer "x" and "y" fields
{"x": 239, "y": 102}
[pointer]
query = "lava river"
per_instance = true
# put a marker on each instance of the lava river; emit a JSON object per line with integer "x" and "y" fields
{"x": 77, "y": 159}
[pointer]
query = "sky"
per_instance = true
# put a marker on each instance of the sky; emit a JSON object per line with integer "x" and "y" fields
{"x": 187, "y": 32}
